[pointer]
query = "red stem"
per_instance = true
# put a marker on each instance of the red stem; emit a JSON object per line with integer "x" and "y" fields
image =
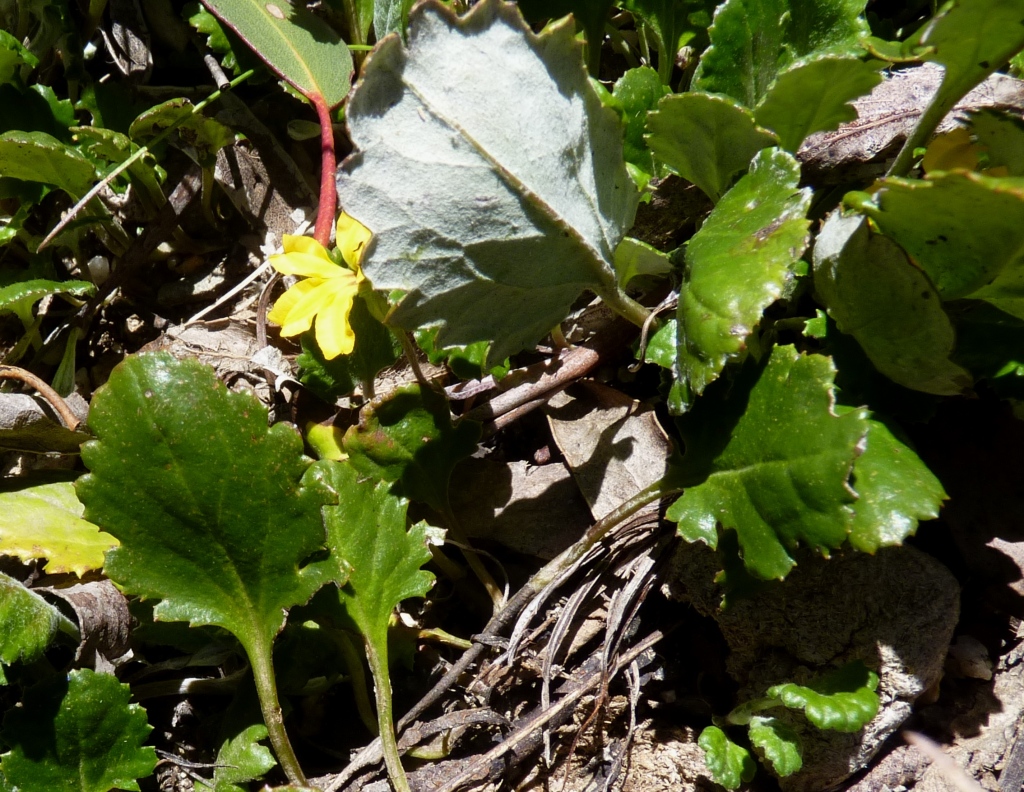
{"x": 328, "y": 164}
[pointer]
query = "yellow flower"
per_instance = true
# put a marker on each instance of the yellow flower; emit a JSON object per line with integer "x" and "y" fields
{"x": 328, "y": 290}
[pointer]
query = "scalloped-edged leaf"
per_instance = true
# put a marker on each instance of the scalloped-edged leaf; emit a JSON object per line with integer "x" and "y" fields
{"x": 739, "y": 263}
{"x": 874, "y": 293}
{"x": 777, "y": 743}
{"x": 843, "y": 701}
{"x": 78, "y": 733}
{"x": 773, "y": 463}
{"x": 410, "y": 437}
{"x": 729, "y": 763}
{"x": 38, "y": 157}
{"x": 240, "y": 759}
{"x": 45, "y": 521}
{"x": 635, "y": 93}
{"x": 18, "y": 298}
{"x": 466, "y": 362}
{"x": 491, "y": 223}
{"x": 815, "y": 95}
{"x": 705, "y": 139}
{"x": 965, "y": 230}
{"x": 27, "y": 623}
{"x": 295, "y": 43}
{"x": 13, "y": 55}
{"x": 895, "y": 490}
{"x": 971, "y": 39}
{"x": 212, "y": 509}
{"x": 752, "y": 41}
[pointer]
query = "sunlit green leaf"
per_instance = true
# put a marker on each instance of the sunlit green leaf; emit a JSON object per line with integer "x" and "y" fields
{"x": 636, "y": 92}
{"x": 674, "y": 22}
{"x": 895, "y": 490}
{"x": 45, "y": 521}
{"x": 773, "y": 463}
{"x": 965, "y": 230}
{"x": 19, "y": 297}
{"x": 27, "y": 623}
{"x": 78, "y": 733}
{"x": 410, "y": 437}
{"x": 240, "y": 759}
{"x": 752, "y": 41}
{"x": 116, "y": 148}
{"x": 876, "y": 295}
{"x": 739, "y": 263}
{"x": 38, "y": 157}
{"x": 13, "y": 55}
{"x": 181, "y": 463}
{"x": 466, "y": 362}
{"x": 293, "y": 42}
{"x": 390, "y": 16}
{"x": 205, "y": 136}
{"x": 705, "y": 139}
{"x": 662, "y": 347}
{"x": 814, "y": 95}
{"x": 843, "y": 701}
{"x": 730, "y": 765}
{"x": 491, "y": 223}
{"x": 777, "y": 743}
{"x": 633, "y": 258}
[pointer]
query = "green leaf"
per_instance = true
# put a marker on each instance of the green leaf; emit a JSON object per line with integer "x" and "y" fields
{"x": 511, "y": 220}
{"x": 19, "y": 297}
{"x": 466, "y": 362}
{"x": 965, "y": 230}
{"x": 895, "y": 489}
{"x": 38, "y": 157}
{"x": 843, "y": 701}
{"x": 216, "y": 39}
{"x": 297, "y": 45}
{"x": 204, "y": 135}
{"x": 991, "y": 344}
{"x": 591, "y": 15}
{"x": 1002, "y": 137}
{"x": 390, "y": 16}
{"x": 880, "y": 298}
{"x": 240, "y": 759}
{"x": 78, "y": 733}
{"x": 739, "y": 263}
{"x": 752, "y": 41}
{"x": 773, "y": 462}
{"x": 375, "y": 349}
{"x": 410, "y": 438}
{"x": 367, "y": 526}
{"x": 45, "y": 521}
{"x": 12, "y": 57}
{"x": 730, "y": 765}
{"x": 814, "y": 95}
{"x": 662, "y": 347}
{"x": 182, "y": 464}
{"x": 674, "y": 22}
{"x": 636, "y": 92}
{"x": 777, "y": 743}
{"x": 705, "y": 139}
{"x": 633, "y": 258}
{"x": 27, "y": 623}
{"x": 116, "y": 148}
{"x": 970, "y": 40}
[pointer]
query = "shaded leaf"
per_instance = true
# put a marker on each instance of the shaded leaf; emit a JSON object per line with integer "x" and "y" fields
{"x": 490, "y": 223}
{"x": 777, "y": 743}
{"x": 203, "y": 135}
{"x": 752, "y": 41}
{"x": 991, "y": 344}
{"x": 591, "y": 15}
{"x": 1002, "y": 137}
{"x": 814, "y": 95}
{"x": 739, "y": 263}
{"x": 843, "y": 701}
{"x": 78, "y": 733}
{"x": 409, "y": 437}
{"x": 38, "y": 157}
{"x": 45, "y": 521}
{"x": 674, "y": 22}
{"x": 19, "y": 297}
{"x": 293, "y": 42}
{"x": 240, "y": 759}
{"x": 730, "y": 765}
{"x": 176, "y": 451}
{"x": 633, "y": 258}
{"x": 965, "y": 230}
{"x": 895, "y": 490}
{"x": 27, "y": 623}
{"x": 876, "y": 295}
{"x": 772, "y": 461}
{"x": 466, "y": 362}
{"x": 705, "y": 139}
{"x": 115, "y": 147}
{"x": 635, "y": 93}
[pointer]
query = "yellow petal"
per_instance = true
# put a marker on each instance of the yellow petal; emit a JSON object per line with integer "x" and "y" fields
{"x": 308, "y": 306}
{"x": 282, "y": 311}
{"x": 306, "y": 265}
{"x": 351, "y": 238}
{"x": 334, "y": 334}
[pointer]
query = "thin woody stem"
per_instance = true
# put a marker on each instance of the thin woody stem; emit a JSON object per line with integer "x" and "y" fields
{"x": 328, "y": 165}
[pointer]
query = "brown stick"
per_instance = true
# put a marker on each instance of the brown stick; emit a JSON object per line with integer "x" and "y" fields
{"x": 59, "y": 405}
